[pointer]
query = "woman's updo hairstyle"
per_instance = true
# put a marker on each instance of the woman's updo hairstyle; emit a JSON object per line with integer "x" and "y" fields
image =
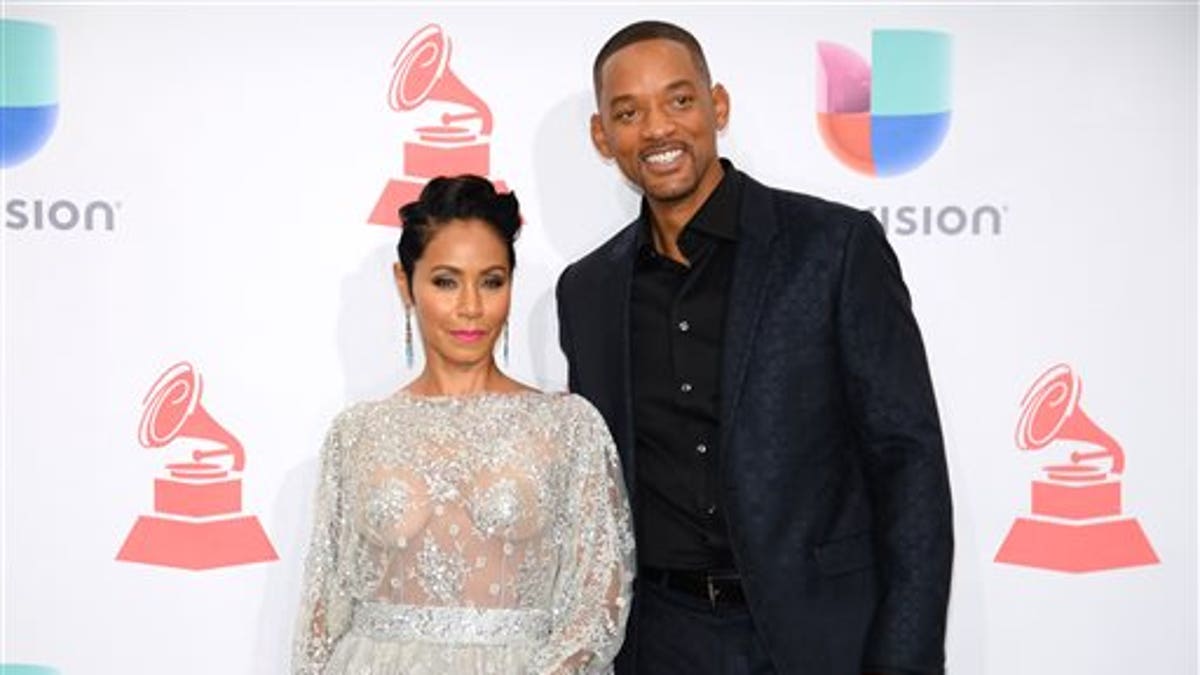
{"x": 456, "y": 198}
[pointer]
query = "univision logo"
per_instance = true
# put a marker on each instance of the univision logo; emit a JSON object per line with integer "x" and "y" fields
{"x": 28, "y": 89}
{"x": 28, "y": 113}
{"x": 886, "y": 117}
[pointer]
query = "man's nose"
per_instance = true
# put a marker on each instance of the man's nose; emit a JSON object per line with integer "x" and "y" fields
{"x": 657, "y": 124}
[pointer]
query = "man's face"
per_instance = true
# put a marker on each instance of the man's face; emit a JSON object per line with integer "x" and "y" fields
{"x": 658, "y": 119}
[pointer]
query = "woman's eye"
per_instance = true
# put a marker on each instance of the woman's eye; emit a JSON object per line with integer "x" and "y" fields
{"x": 494, "y": 282}
{"x": 443, "y": 282}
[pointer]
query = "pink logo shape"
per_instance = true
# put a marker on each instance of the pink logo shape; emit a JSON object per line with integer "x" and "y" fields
{"x": 1076, "y": 524}
{"x": 422, "y": 74}
{"x": 198, "y": 522}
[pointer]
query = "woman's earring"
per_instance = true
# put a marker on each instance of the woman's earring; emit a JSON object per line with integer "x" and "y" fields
{"x": 505, "y": 347}
{"x": 408, "y": 348}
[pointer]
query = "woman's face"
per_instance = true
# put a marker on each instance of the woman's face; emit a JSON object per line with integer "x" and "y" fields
{"x": 461, "y": 290}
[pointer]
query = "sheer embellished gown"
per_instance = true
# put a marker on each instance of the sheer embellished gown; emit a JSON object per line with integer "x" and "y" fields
{"x": 486, "y": 534}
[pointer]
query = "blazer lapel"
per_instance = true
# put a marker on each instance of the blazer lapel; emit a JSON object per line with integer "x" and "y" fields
{"x": 616, "y": 299}
{"x": 757, "y": 228}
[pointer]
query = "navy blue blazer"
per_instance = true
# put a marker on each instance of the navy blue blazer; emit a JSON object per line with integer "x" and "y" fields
{"x": 832, "y": 468}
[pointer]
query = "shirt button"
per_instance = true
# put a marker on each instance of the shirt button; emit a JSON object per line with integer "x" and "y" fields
{"x": 712, "y": 509}
{"x": 684, "y": 326}
{"x": 702, "y": 448}
{"x": 685, "y": 387}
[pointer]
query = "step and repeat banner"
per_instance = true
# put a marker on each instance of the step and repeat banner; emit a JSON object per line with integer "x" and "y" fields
{"x": 200, "y": 220}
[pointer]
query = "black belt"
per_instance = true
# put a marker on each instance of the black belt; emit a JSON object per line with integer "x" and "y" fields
{"x": 718, "y": 589}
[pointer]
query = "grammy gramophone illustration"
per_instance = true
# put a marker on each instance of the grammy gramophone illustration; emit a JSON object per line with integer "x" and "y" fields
{"x": 1076, "y": 523}
{"x": 198, "y": 521}
{"x": 459, "y": 144}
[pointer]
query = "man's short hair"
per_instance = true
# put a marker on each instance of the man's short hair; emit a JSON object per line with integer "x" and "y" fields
{"x": 649, "y": 30}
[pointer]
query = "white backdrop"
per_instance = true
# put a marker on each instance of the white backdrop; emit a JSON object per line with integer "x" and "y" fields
{"x": 243, "y": 148}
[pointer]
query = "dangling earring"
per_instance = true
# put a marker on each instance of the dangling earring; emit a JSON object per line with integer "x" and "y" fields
{"x": 408, "y": 348}
{"x": 505, "y": 347}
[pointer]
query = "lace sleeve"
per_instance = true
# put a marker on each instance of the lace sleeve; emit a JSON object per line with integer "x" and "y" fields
{"x": 593, "y": 589}
{"x": 325, "y": 604}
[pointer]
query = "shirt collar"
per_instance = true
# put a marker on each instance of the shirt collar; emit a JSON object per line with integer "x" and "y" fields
{"x": 717, "y": 217}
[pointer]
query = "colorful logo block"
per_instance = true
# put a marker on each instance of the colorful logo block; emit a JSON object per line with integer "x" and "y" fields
{"x": 28, "y": 89}
{"x": 887, "y": 117}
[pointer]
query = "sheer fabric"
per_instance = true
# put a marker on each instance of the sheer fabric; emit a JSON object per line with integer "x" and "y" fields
{"x": 478, "y": 534}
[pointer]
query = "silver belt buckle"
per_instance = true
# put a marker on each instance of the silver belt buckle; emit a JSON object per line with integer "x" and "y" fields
{"x": 713, "y": 591}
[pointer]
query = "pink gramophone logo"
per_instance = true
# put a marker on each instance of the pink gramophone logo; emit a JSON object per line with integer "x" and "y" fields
{"x": 1076, "y": 524}
{"x": 197, "y": 522}
{"x": 422, "y": 74}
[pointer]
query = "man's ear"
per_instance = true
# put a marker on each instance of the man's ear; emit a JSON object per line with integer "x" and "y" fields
{"x": 720, "y": 99}
{"x": 598, "y": 138}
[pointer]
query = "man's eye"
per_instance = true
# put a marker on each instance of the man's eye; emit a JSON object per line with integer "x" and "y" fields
{"x": 624, "y": 115}
{"x": 683, "y": 100}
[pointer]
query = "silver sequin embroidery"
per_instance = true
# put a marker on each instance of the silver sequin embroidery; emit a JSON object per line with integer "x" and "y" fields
{"x": 447, "y": 523}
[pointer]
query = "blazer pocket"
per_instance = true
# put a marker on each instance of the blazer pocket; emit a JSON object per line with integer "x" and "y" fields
{"x": 844, "y": 555}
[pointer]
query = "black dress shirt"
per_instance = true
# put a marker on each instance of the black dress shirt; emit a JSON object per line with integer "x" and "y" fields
{"x": 677, "y": 316}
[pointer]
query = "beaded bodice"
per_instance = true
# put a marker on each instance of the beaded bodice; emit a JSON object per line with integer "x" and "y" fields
{"x": 490, "y": 501}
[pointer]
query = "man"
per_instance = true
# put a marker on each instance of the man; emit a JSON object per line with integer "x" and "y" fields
{"x": 755, "y": 356}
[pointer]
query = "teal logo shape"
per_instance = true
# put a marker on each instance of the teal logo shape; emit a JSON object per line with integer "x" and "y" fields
{"x": 28, "y": 90}
{"x": 26, "y": 669}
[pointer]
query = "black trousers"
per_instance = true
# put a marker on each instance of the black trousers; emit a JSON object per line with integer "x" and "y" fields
{"x": 674, "y": 633}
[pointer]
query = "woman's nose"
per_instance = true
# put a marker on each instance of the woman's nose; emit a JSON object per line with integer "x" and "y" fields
{"x": 470, "y": 304}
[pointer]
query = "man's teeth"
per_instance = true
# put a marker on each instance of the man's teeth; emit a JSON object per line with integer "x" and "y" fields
{"x": 664, "y": 157}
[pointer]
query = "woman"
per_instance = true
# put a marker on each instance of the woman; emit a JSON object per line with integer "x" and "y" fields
{"x": 468, "y": 523}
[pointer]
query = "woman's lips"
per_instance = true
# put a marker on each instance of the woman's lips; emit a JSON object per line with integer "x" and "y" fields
{"x": 468, "y": 335}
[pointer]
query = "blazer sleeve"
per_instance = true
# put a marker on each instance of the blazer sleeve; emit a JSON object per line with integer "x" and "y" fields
{"x": 891, "y": 399}
{"x": 564, "y": 331}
